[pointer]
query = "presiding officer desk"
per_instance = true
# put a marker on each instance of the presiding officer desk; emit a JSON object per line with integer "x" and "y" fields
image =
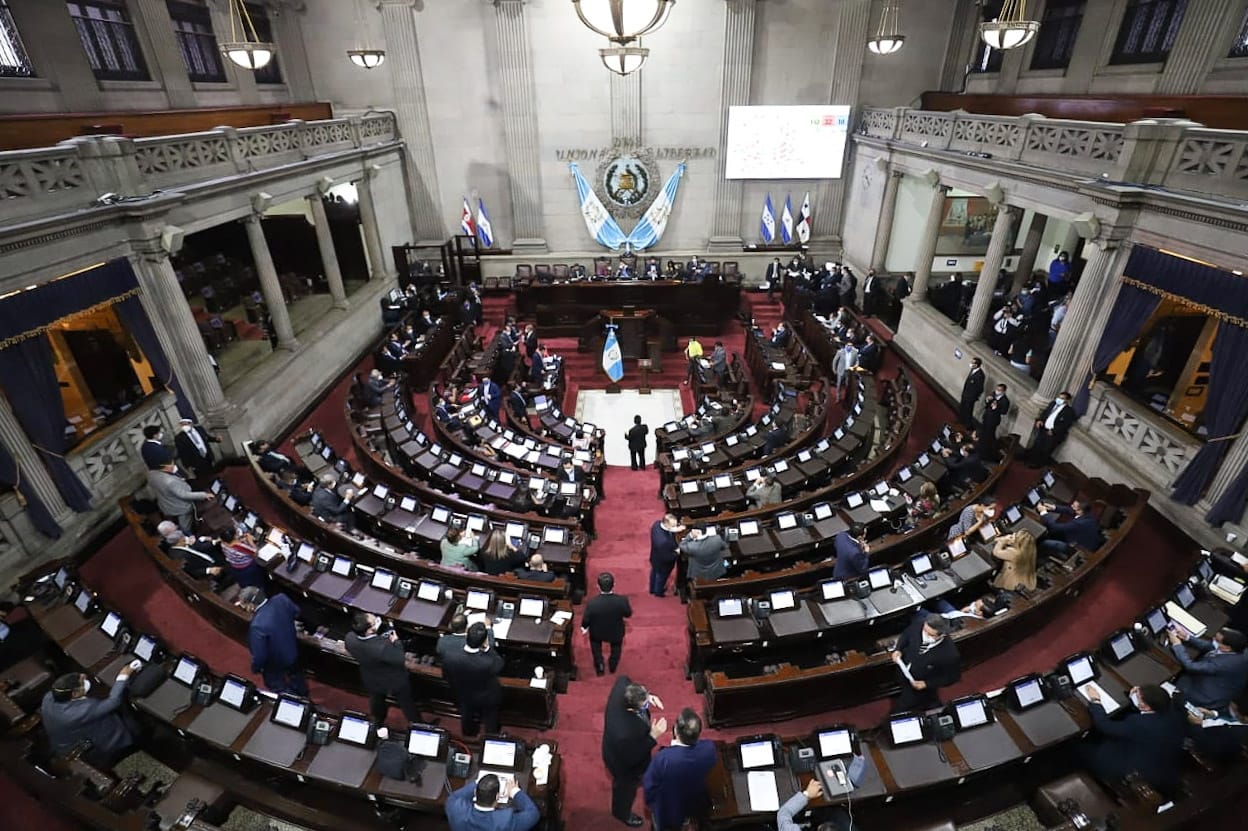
{"x": 561, "y": 309}
{"x": 254, "y": 743}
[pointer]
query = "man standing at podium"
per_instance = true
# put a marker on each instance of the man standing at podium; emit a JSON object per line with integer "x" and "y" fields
{"x": 637, "y": 444}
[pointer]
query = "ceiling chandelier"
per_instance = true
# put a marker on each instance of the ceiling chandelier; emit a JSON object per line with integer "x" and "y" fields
{"x": 888, "y": 38}
{"x": 623, "y": 22}
{"x": 1011, "y": 29}
{"x": 249, "y": 53}
{"x": 366, "y": 56}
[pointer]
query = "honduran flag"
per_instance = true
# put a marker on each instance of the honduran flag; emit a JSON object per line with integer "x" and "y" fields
{"x": 465, "y": 221}
{"x": 767, "y": 227}
{"x": 786, "y": 222}
{"x": 485, "y": 231}
{"x": 803, "y": 221}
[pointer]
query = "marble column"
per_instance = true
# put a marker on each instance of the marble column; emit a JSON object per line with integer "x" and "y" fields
{"x": 927, "y": 245}
{"x": 987, "y": 284}
{"x": 1192, "y": 56}
{"x": 884, "y": 227}
{"x": 412, "y": 114}
{"x": 329, "y": 256}
{"x": 520, "y": 136}
{"x": 734, "y": 90}
{"x": 270, "y": 286}
{"x": 1233, "y": 463}
{"x": 1031, "y": 249}
{"x": 165, "y": 56}
{"x": 626, "y": 108}
{"x": 851, "y": 52}
{"x": 368, "y": 222}
{"x": 30, "y": 466}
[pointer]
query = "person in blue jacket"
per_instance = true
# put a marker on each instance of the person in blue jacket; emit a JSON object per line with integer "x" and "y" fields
{"x": 273, "y": 641}
{"x": 475, "y": 807}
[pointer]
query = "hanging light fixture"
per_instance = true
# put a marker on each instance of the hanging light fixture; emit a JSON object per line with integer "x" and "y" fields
{"x": 888, "y": 38}
{"x": 366, "y": 56}
{"x": 623, "y": 60}
{"x": 249, "y": 53}
{"x": 1011, "y": 29}
{"x": 623, "y": 22}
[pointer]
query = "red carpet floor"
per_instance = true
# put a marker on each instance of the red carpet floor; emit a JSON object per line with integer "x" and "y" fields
{"x": 1145, "y": 567}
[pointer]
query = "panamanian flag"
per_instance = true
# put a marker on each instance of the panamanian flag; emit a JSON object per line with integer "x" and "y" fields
{"x": 465, "y": 221}
{"x": 767, "y": 227}
{"x": 612, "y": 358}
{"x": 786, "y": 222}
{"x": 485, "y": 231}
{"x": 803, "y": 221}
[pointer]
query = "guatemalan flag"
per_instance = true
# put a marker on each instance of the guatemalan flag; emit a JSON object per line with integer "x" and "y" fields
{"x": 786, "y": 222}
{"x": 602, "y": 226}
{"x": 767, "y": 227}
{"x": 652, "y": 225}
{"x": 803, "y": 221}
{"x": 612, "y": 358}
{"x": 485, "y": 231}
{"x": 465, "y": 221}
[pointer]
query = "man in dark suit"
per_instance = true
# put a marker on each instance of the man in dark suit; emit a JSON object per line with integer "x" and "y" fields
{"x": 1149, "y": 741}
{"x": 518, "y": 406}
{"x": 491, "y": 397}
{"x": 69, "y": 717}
{"x": 155, "y": 453}
{"x": 452, "y": 642}
{"x": 535, "y": 569}
{"x": 474, "y": 680}
{"x": 268, "y": 459}
{"x": 200, "y": 557}
{"x": 273, "y": 641}
{"x": 603, "y": 620}
{"x": 851, "y": 551}
{"x": 637, "y": 444}
{"x": 1218, "y": 673}
{"x": 1051, "y": 429}
{"x": 777, "y": 437}
{"x": 972, "y": 390}
{"x": 773, "y": 276}
{"x": 383, "y": 667}
{"x": 675, "y": 782}
{"x": 663, "y": 552}
{"x": 329, "y": 506}
{"x": 1223, "y": 734}
{"x": 996, "y": 407}
{"x": 1083, "y": 529}
{"x": 871, "y": 355}
{"x": 569, "y": 471}
{"x": 932, "y": 660}
{"x": 627, "y": 738}
{"x": 965, "y": 466}
{"x": 872, "y": 293}
{"x": 193, "y": 451}
{"x": 475, "y": 807}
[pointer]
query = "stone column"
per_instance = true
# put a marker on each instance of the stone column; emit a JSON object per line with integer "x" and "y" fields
{"x": 270, "y": 286}
{"x": 927, "y": 245}
{"x": 626, "y": 108}
{"x": 520, "y": 137}
{"x": 329, "y": 257}
{"x": 368, "y": 221}
{"x": 1233, "y": 463}
{"x": 1031, "y": 249}
{"x": 884, "y": 227}
{"x": 734, "y": 90}
{"x": 165, "y": 58}
{"x": 292, "y": 51}
{"x": 412, "y": 115}
{"x": 30, "y": 466}
{"x": 1193, "y": 55}
{"x": 851, "y": 51}
{"x": 982, "y": 301}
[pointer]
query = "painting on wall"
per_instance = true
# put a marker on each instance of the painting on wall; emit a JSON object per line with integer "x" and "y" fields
{"x": 966, "y": 226}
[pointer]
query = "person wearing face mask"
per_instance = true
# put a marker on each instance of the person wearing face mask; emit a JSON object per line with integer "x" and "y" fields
{"x": 1051, "y": 428}
{"x": 156, "y": 454}
{"x": 1220, "y": 734}
{"x": 1219, "y": 670}
{"x": 996, "y": 407}
{"x": 1148, "y": 742}
{"x": 70, "y": 717}
{"x": 845, "y": 362}
{"x": 383, "y": 667}
{"x": 927, "y": 659}
{"x": 628, "y": 736}
{"x": 193, "y": 451}
{"x": 1082, "y": 529}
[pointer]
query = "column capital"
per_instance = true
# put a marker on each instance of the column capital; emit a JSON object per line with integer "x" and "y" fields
{"x": 409, "y": 3}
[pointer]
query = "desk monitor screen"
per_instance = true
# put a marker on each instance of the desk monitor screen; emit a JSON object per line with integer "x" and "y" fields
{"x": 1205, "y": 570}
{"x": 805, "y": 456}
{"x": 358, "y": 480}
{"x": 723, "y": 480}
{"x": 757, "y": 753}
{"x": 532, "y": 607}
{"x": 823, "y": 510}
{"x": 839, "y": 433}
{"x": 556, "y": 536}
{"x": 905, "y": 474}
{"x": 971, "y": 712}
{"x": 786, "y": 521}
{"x": 1033, "y": 497}
{"x": 290, "y": 712}
{"x": 216, "y": 487}
{"x": 987, "y": 532}
{"x": 249, "y": 521}
{"x": 342, "y": 566}
{"x": 455, "y": 459}
{"x": 823, "y": 445}
{"x": 1013, "y": 514}
{"x": 83, "y": 601}
{"x": 833, "y": 589}
{"x": 936, "y": 446}
{"x": 436, "y": 449}
{"x": 381, "y": 491}
{"x": 783, "y": 600}
{"x": 383, "y": 580}
{"x": 906, "y": 730}
{"x": 428, "y": 591}
{"x": 476, "y": 524}
{"x": 354, "y": 730}
{"x": 834, "y": 743}
{"x": 61, "y": 578}
{"x": 748, "y": 528}
{"x": 924, "y": 460}
{"x": 1185, "y": 596}
{"x": 327, "y": 453}
{"x": 1049, "y": 479}
{"x": 708, "y": 448}
{"x": 479, "y": 600}
{"x": 879, "y": 578}
{"x": 478, "y": 469}
{"x": 1081, "y": 670}
{"x": 516, "y": 530}
{"x": 880, "y": 488}
{"x": 186, "y": 670}
{"x": 233, "y": 692}
{"x": 427, "y": 743}
{"x": 306, "y": 552}
{"x": 1122, "y": 646}
{"x": 957, "y": 547}
{"x": 231, "y": 503}
{"x": 110, "y": 624}
{"x": 567, "y": 488}
{"x": 1028, "y": 692}
{"x": 751, "y": 430}
{"x": 780, "y": 466}
{"x": 689, "y": 487}
{"x": 921, "y": 563}
{"x": 1156, "y": 621}
{"x": 507, "y": 477}
{"x": 854, "y": 500}
{"x": 408, "y": 503}
{"x": 732, "y": 441}
{"x": 730, "y": 607}
{"x": 753, "y": 473}
{"x": 680, "y": 454}
{"x": 502, "y": 753}
{"x": 146, "y": 647}
{"x": 441, "y": 515}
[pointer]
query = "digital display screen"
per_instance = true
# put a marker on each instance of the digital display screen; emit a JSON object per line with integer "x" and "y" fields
{"x": 424, "y": 743}
{"x": 834, "y": 743}
{"x": 1185, "y": 596}
{"x": 145, "y": 648}
{"x": 748, "y": 528}
{"x": 440, "y": 514}
{"x": 476, "y": 523}
{"x": 408, "y": 503}
{"x": 783, "y": 600}
{"x": 216, "y": 487}
{"x": 381, "y": 491}
{"x": 1029, "y": 693}
{"x": 499, "y": 753}
{"x": 342, "y": 566}
{"x": 233, "y": 693}
{"x": 532, "y": 607}
{"x": 881, "y": 488}
{"x": 478, "y": 600}
{"x": 567, "y": 488}
{"x": 780, "y": 466}
{"x": 1013, "y": 514}
{"x": 1122, "y": 647}
{"x": 823, "y": 510}
{"x": 83, "y": 601}
{"x": 61, "y": 578}
{"x": 250, "y": 520}
{"x": 971, "y": 713}
{"x": 924, "y": 460}
{"x": 730, "y": 606}
{"x": 425, "y": 590}
{"x": 905, "y": 474}
{"x": 921, "y": 563}
{"x": 383, "y": 580}
{"x": 231, "y": 503}
{"x": 1049, "y": 479}
{"x": 723, "y": 481}
{"x": 1033, "y": 497}
{"x": 786, "y": 521}
{"x": 833, "y": 590}
{"x": 758, "y": 755}
{"x": 1156, "y": 621}
{"x": 289, "y": 712}
{"x": 306, "y": 552}
{"x": 906, "y": 730}
{"x": 1081, "y": 670}
{"x": 854, "y": 500}
{"x": 110, "y": 624}
{"x": 558, "y": 536}
{"x": 186, "y": 670}
{"x": 353, "y": 730}
{"x": 879, "y": 578}
{"x": 515, "y": 531}
{"x": 987, "y": 531}
{"x": 957, "y": 547}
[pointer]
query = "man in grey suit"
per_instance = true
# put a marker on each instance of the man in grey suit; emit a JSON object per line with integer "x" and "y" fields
{"x": 174, "y": 495}
{"x": 69, "y": 717}
{"x": 1218, "y": 673}
{"x": 706, "y": 553}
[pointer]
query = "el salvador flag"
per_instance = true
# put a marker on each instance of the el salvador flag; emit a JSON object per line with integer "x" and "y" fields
{"x": 786, "y": 222}
{"x": 768, "y": 225}
{"x": 612, "y": 358}
{"x": 485, "y": 232}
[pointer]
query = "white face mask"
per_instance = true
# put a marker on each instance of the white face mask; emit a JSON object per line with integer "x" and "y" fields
{"x": 1059, "y": 401}
{"x": 1136, "y": 700}
{"x": 86, "y": 686}
{"x": 928, "y": 640}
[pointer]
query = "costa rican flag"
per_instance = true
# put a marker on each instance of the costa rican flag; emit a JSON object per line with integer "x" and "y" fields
{"x": 786, "y": 222}
{"x": 485, "y": 232}
{"x": 803, "y": 221}
{"x": 767, "y": 226}
{"x": 465, "y": 221}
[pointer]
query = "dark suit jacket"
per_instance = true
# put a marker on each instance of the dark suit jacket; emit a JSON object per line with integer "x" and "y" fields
{"x": 155, "y": 454}
{"x": 637, "y": 436}
{"x": 95, "y": 719}
{"x": 972, "y": 387}
{"x": 525, "y": 573}
{"x": 662, "y": 545}
{"x": 706, "y": 557}
{"x": 382, "y": 666}
{"x": 851, "y": 560}
{"x": 1151, "y": 743}
{"x": 626, "y": 741}
{"x": 604, "y": 617}
{"x": 474, "y": 675}
{"x": 967, "y": 469}
{"x": 272, "y": 462}
{"x": 1084, "y": 531}
{"x": 199, "y": 557}
{"x": 271, "y": 636}
{"x": 574, "y": 475}
{"x": 870, "y": 357}
{"x": 940, "y": 666}
{"x": 189, "y": 455}
{"x": 1064, "y": 419}
{"x": 1210, "y": 680}
{"x": 449, "y": 644}
{"x": 675, "y": 782}
{"x": 994, "y": 411}
{"x": 328, "y": 505}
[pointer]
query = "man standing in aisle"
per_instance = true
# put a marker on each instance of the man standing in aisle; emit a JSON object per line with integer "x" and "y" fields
{"x": 675, "y": 782}
{"x": 637, "y": 444}
{"x": 972, "y": 390}
{"x": 926, "y": 661}
{"x": 693, "y": 354}
{"x": 663, "y": 552}
{"x": 627, "y": 738}
{"x": 604, "y": 621}
{"x": 383, "y": 667}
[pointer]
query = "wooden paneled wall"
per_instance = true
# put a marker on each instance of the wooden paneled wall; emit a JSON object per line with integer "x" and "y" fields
{"x": 1228, "y": 112}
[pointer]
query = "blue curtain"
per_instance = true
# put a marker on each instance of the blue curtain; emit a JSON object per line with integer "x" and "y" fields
{"x": 35, "y": 508}
{"x": 52, "y": 301}
{"x": 133, "y": 316}
{"x": 1198, "y": 282}
{"x": 1225, "y": 409}
{"x": 1132, "y": 310}
{"x": 1231, "y": 506}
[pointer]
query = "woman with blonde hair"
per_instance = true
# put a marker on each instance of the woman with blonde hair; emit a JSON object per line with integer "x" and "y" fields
{"x": 498, "y": 555}
{"x": 1017, "y": 552}
{"x": 926, "y": 504}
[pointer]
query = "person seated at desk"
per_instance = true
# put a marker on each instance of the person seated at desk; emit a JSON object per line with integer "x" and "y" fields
{"x": 672, "y": 271}
{"x": 973, "y": 516}
{"x": 300, "y": 490}
{"x": 498, "y": 555}
{"x": 268, "y": 459}
{"x": 329, "y": 506}
{"x": 69, "y": 717}
{"x": 373, "y": 391}
{"x": 1017, "y": 553}
{"x": 652, "y": 270}
{"x": 576, "y": 272}
{"x": 393, "y": 348}
{"x": 674, "y": 786}
{"x": 706, "y": 554}
{"x": 624, "y": 272}
{"x": 1220, "y": 735}
{"x": 442, "y": 412}
{"x": 780, "y": 336}
{"x": 239, "y": 551}
{"x": 201, "y": 557}
{"x": 926, "y": 505}
{"x": 795, "y": 804}
{"x": 475, "y": 807}
{"x": 1083, "y": 529}
{"x": 852, "y": 552}
{"x": 1148, "y": 742}
{"x": 931, "y": 661}
{"x": 1218, "y": 674}
{"x": 535, "y": 569}
{"x": 458, "y": 548}
{"x": 763, "y": 492}
{"x": 424, "y": 323}
{"x": 966, "y": 466}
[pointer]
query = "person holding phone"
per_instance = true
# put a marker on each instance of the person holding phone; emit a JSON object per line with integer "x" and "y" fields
{"x": 476, "y": 806}
{"x": 628, "y": 736}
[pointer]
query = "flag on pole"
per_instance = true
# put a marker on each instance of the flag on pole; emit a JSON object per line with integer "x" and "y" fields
{"x": 768, "y": 225}
{"x": 612, "y": 358}
{"x": 602, "y": 226}
{"x": 803, "y": 221}
{"x": 465, "y": 221}
{"x": 653, "y": 223}
{"x": 485, "y": 231}
{"x": 786, "y": 222}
